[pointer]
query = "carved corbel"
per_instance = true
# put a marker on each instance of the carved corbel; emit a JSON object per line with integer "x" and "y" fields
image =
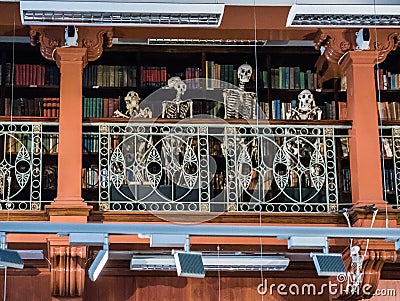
{"x": 370, "y": 273}
{"x": 384, "y": 41}
{"x": 333, "y": 44}
{"x": 67, "y": 269}
{"x": 336, "y": 43}
{"x": 51, "y": 37}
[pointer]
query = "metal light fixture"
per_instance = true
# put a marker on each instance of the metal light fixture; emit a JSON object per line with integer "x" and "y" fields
{"x": 98, "y": 264}
{"x": 213, "y": 262}
{"x": 9, "y": 258}
{"x": 92, "y": 239}
{"x": 122, "y": 13}
{"x": 189, "y": 264}
{"x": 343, "y": 16}
{"x": 328, "y": 264}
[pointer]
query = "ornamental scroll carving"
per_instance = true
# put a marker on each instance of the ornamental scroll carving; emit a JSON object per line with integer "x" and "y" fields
{"x": 51, "y": 37}
{"x": 67, "y": 270}
{"x": 335, "y": 43}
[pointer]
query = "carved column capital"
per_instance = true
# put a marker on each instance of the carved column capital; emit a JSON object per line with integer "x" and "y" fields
{"x": 91, "y": 38}
{"x": 67, "y": 269}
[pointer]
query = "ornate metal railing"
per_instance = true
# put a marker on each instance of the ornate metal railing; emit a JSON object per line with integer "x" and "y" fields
{"x": 390, "y": 151}
{"x": 220, "y": 167}
{"x": 23, "y": 176}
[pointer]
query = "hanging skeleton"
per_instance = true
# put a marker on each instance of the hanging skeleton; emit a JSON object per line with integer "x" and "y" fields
{"x": 239, "y": 103}
{"x": 177, "y": 108}
{"x": 132, "y": 100}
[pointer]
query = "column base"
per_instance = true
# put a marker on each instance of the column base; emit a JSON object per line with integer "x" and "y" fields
{"x": 68, "y": 210}
{"x": 366, "y": 204}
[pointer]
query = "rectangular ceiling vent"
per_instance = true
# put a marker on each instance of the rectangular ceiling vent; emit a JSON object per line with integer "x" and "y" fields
{"x": 205, "y": 42}
{"x": 356, "y": 16}
{"x": 121, "y": 14}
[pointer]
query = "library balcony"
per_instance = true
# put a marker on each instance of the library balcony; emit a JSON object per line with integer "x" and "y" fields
{"x": 204, "y": 165}
{"x": 28, "y": 168}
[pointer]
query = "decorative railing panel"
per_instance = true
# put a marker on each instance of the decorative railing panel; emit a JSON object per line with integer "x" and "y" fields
{"x": 220, "y": 167}
{"x": 23, "y": 146}
{"x": 390, "y": 151}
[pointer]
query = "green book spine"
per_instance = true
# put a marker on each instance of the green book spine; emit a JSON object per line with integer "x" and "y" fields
{"x": 282, "y": 77}
{"x": 265, "y": 79}
{"x": 302, "y": 82}
{"x": 297, "y": 77}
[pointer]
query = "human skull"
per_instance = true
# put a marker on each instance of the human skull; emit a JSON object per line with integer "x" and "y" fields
{"x": 306, "y": 100}
{"x": 244, "y": 73}
{"x": 173, "y": 80}
{"x": 180, "y": 86}
{"x": 132, "y": 100}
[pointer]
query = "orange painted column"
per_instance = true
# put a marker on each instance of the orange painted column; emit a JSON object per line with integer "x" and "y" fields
{"x": 69, "y": 205}
{"x": 365, "y": 163}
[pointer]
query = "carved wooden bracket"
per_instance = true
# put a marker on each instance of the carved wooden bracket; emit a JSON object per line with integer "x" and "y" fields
{"x": 383, "y": 41}
{"x": 67, "y": 270}
{"x": 371, "y": 272}
{"x": 337, "y": 42}
{"x": 91, "y": 38}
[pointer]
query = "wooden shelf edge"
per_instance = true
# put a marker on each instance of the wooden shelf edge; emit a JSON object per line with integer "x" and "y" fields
{"x": 28, "y": 119}
{"x": 87, "y": 121}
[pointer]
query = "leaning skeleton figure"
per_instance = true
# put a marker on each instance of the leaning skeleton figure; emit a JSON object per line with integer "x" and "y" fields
{"x": 172, "y": 146}
{"x": 294, "y": 147}
{"x": 136, "y": 148}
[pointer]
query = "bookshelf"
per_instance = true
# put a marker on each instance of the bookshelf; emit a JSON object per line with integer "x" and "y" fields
{"x": 146, "y": 69}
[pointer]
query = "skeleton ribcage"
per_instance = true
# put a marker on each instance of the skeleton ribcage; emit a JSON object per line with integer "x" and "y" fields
{"x": 239, "y": 104}
{"x": 176, "y": 110}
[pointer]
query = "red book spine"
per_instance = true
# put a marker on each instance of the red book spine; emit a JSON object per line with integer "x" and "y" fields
{"x": 34, "y": 73}
{"x": 105, "y": 108}
{"x": 42, "y": 75}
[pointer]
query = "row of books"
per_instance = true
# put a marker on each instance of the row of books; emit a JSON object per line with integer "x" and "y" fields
{"x": 50, "y": 143}
{"x": 109, "y": 76}
{"x": 90, "y": 143}
{"x": 20, "y": 140}
{"x": 153, "y": 77}
{"x": 100, "y": 107}
{"x": 346, "y": 181}
{"x": 26, "y": 75}
{"x": 192, "y": 74}
{"x": 90, "y": 177}
{"x": 388, "y": 80}
{"x": 281, "y": 110}
{"x": 46, "y": 107}
{"x": 388, "y": 110}
{"x": 223, "y": 76}
{"x": 293, "y": 78}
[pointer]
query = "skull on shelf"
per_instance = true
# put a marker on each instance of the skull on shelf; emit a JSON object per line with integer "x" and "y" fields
{"x": 132, "y": 100}
{"x": 244, "y": 73}
{"x": 306, "y": 100}
{"x": 306, "y": 108}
